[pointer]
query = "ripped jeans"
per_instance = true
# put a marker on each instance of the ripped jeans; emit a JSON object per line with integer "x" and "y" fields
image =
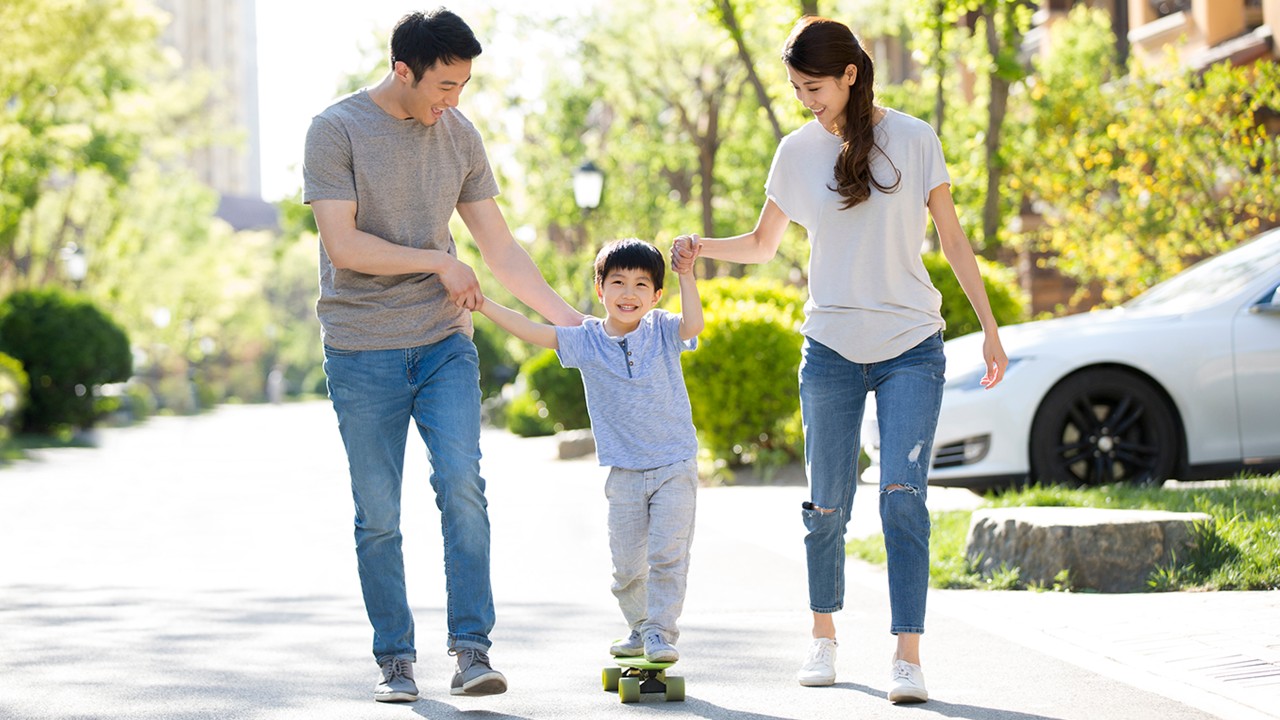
{"x": 833, "y": 392}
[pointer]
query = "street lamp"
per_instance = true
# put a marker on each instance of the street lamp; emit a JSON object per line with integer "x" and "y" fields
{"x": 75, "y": 262}
{"x": 588, "y": 184}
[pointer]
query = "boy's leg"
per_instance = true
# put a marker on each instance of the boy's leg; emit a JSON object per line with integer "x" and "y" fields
{"x": 673, "y": 493}
{"x": 628, "y": 535}
{"x": 373, "y": 408}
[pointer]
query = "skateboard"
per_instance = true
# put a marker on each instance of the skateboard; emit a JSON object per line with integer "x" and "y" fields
{"x": 635, "y": 676}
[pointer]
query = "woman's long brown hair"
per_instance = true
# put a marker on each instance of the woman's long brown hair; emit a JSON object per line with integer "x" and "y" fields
{"x": 822, "y": 47}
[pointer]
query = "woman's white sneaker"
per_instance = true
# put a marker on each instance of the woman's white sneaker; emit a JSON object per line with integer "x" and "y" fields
{"x": 820, "y": 667}
{"x": 906, "y": 684}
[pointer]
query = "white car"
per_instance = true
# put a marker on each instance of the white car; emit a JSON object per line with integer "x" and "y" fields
{"x": 1181, "y": 382}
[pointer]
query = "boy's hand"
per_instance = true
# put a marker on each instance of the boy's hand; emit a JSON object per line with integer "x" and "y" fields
{"x": 684, "y": 250}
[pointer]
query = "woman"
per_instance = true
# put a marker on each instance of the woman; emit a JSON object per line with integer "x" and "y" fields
{"x": 860, "y": 178}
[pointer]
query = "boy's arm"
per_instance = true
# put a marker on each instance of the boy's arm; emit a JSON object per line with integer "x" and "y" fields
{"x": 691, "y": 321}
{"x": 519, "y": 325}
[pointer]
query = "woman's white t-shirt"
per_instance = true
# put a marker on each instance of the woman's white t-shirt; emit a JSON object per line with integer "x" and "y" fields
{"x": 870, "y": 298}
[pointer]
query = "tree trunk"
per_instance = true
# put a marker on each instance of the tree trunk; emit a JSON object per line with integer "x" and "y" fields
{"x": 730, "y": 20}
{"x": 808, "y": 7}
{"x": 940, "y": 67}
{"x": 995, "y": 164}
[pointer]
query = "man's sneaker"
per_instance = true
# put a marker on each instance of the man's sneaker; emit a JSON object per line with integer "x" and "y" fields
{"x": 658, "y": 650}
{"x": 474, "y": 675}
{"x": 907, "y": 683}
{"x": 397, "y": 682}
{"x": 633, "y": 646}
{"x": 820, "y": 667}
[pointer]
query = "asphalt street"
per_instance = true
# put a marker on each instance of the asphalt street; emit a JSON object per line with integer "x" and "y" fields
{"x": 204, "y": 568}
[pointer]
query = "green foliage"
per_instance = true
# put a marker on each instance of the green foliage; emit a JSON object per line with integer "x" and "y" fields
{"x": 1151, "y": 172}
{"x": 496, "y": 365}
{"x": 553, "y": 400}
{"x": 14, "y": 386}
{"x": 1008, "y": 301}
{"x": 68, "y": 348}
{"x": 742, "y": 380}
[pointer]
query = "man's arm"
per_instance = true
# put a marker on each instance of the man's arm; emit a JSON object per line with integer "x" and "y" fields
{"x": 511, "y": 265}
{"x": 351, "y": 249}
{"x": 519, "y": 325}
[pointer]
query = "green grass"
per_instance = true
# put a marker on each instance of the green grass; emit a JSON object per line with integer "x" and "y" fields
{"x": 1240, "y": 550}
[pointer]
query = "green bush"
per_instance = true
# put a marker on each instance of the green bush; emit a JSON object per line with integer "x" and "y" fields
{"x": 13, "y": 394}
{"x": 742, "y": 381}
{"x": 69, "y": 348}
{"x": 1008, "y": 301}
{"x": 553, "y": 399}
{"x": 497, "y": 368}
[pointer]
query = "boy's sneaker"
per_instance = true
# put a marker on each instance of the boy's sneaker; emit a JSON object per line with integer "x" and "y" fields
{"x": 907, "y": 683}
{"x": 658, "y": 650}
{"x": 633, "y": 646}
{"x": 397, "y": 683}
{"x": 819, "y": 668}
{"x": 475, "y": 676}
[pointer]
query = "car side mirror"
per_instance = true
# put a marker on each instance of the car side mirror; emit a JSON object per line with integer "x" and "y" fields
{"x": 1268, "y": 307}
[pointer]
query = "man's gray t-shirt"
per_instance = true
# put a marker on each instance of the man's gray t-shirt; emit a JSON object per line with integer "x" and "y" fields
{"x": 406, "y": 179}
{"x": 636, "y": 397}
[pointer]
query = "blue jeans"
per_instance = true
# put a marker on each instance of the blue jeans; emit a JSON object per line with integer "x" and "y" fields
{"x": 375, "y": 393}
{"x": 833, "y": 393}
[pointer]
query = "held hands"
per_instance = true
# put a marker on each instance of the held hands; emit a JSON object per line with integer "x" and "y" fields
{"x": 462, "y": 285}
{"x": 684, "y": 250}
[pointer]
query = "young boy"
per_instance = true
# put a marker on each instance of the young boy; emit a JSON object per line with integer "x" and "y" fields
{"x": 639, "y": 408}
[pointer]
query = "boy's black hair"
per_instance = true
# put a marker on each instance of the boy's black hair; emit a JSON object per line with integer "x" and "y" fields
{"x": 420, "y": 40}
{"x": 631, "y": 254}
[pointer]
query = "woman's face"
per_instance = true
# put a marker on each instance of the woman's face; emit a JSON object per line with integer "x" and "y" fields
{"x": 825, "y": 96}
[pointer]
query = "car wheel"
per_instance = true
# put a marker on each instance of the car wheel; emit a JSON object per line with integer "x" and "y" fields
{"x": 1103, "y": 426}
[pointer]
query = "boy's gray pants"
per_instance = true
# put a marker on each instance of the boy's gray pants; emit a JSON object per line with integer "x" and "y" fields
{"x": 650, "y": 530}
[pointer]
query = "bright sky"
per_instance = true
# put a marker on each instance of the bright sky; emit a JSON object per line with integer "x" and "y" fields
{"x": 304, "y": 53}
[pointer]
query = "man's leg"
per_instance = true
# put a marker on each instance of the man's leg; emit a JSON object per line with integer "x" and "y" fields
{"x": 373, "y": 406}
{"x": 447, "y": 411}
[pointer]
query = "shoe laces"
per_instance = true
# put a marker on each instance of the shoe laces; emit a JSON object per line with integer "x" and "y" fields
{"x": 397, "y": 668}
{"x": 470, "y": 656}
{"x": 902, "y": 671}
{"x": 821, "y": 653}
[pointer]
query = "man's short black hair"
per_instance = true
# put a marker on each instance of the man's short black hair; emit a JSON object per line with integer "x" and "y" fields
{"x": 420, "y": 40}
{"x": 631, "y": 254}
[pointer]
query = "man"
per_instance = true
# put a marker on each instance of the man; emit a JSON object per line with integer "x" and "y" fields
{"x": 384, "y": 170}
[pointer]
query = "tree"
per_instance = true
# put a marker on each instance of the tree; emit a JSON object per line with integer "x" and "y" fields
{"x": 1150, "y": 171}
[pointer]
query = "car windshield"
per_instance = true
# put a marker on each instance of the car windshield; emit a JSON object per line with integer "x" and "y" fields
{"x": 1214, "y": 279}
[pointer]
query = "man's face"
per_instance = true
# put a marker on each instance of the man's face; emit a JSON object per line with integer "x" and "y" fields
{"x": 437, "y": 90}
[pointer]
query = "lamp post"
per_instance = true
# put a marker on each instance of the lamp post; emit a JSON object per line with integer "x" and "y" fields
{"x": 75, "y": 263}
{"x": 588, "y": 185}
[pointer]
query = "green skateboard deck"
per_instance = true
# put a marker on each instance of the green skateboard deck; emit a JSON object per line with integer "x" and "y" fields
{"x": 635, "y": 676}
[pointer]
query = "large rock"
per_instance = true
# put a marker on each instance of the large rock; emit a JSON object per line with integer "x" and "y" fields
{"x": 1105, "y": 550}
{"x": 572, "y": 444}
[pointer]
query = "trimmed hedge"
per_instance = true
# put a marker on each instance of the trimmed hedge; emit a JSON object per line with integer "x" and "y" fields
{"x": 69, "y": 348}
{"x": 553, "y": 399}
{"x": 14, "y": 386}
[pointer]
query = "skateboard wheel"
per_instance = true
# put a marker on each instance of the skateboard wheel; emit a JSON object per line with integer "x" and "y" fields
{"x": 629, "y": 690}
{"x": 675, "y": 688}
{"x": 610, "y": 677}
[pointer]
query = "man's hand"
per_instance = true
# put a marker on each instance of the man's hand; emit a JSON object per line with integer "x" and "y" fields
{"x": 461, "y": 283}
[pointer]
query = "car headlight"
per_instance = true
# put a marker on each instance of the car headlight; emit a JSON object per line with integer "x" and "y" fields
{"x": 972, "y": 379}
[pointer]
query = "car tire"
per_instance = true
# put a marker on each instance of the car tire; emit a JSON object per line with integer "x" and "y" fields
{"x": 1104, "y": 426}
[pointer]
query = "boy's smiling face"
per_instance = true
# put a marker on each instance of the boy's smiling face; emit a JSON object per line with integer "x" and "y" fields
{"x": 627, "y": 294}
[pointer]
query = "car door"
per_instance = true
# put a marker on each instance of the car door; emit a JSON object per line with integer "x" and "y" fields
{"x": 1256, "y": 338}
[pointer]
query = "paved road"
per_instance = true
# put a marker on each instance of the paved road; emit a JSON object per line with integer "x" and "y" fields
{"x": 203, "y": 568}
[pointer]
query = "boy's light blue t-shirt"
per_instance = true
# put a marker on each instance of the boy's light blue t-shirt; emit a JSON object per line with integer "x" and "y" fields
{"x": 636, "y": 397}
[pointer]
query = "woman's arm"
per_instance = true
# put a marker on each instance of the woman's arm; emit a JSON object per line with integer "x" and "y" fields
{"x": 959, "y": 253}
{"x": 519, "y": 325}
{"x": 757, "y": 246}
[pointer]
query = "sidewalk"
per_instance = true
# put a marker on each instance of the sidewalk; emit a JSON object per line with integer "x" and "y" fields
{"x": 203, "y": 568}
